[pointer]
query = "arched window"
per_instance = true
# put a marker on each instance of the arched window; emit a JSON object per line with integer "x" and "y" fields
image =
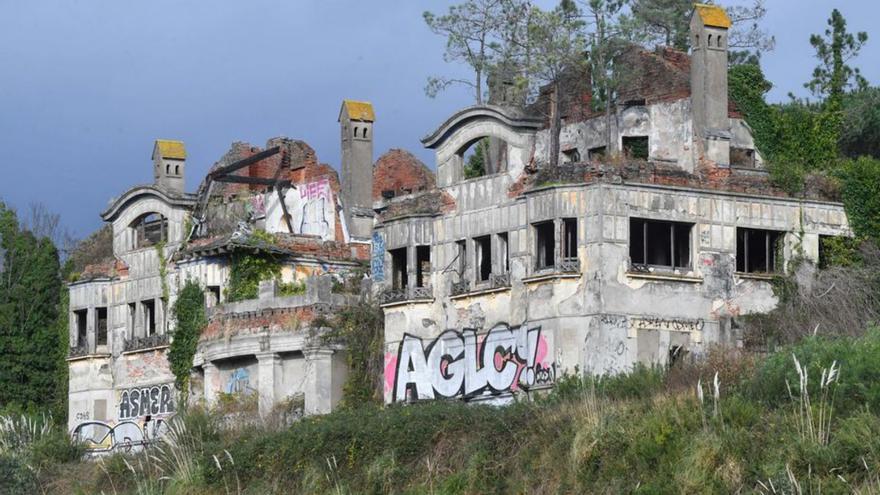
{"x": 355, "y": 132}
{"x": 709, "y": 39}
{"x": 365, "y": 132}
{"x": 719, "y": 42}
{"x": 149, "y": 230}
{"x": 167, "y": 168}
{"x": 177, "y": 170}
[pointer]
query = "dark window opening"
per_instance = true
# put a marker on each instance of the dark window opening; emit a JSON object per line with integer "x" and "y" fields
{"x": 149, "y": 317}
{"x": 719, "y": 42}
{"x": 132, "y": 318}
{"x": 504, "y": 250}
{"x": 364, "y": 134}
{"x": 709, "y": 40}
{"x": 660, "y": 243}
{"x": 150, "y": 229}
{"x": 398, "y": 268}
{"x": 545, "y": 245}
{"x": 757, "y": 250}
{"x": 355, "y": 132}
{"x": 462, "y": 258}
{"x": 597, "y": 153}
{"x": 676, "y": 355}
{"x": 177, "y": 170}
{"x": 213, "y": 293}
{"x": 742, "y": 157}
{"x": 423, "y": 266}
{"x": 483, "y": 247}
{"x": 572, "y": 155}
{"x": 82, "y": 326}
{"x": 640, "y": 102}
{"x": 569, "y": 238}
{"x": 167, "y": 169}
{"x": 635, "y": 147}
{"x": 100, "y": 326}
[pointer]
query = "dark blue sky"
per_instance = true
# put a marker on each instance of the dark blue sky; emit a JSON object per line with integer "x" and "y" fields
{"x": 87, "y": 85}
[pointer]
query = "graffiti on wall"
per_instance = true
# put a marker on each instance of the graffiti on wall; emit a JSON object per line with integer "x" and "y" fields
{"x": 671, "y": 324}
{"x": 377, "y": 258}
{"x": 466, "y": 365}
{"x": 239, "y": 382}
{"x": 125, "y": 436}
{"x": 311, "y": 208}
{"x": 146, "y": 401}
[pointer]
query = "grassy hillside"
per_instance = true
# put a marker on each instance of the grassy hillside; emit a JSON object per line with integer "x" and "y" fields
{"x": 763, "y": 431}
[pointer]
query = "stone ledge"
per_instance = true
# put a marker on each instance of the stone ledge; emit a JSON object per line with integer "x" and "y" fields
{"x": 146, "y": 349}
{"x": 669, "y": 277}
{"x": 89, "y": 356}
{"x": 479, "y": 292}
{"x": 550, "y": 276}
{"x": 756, "y": 276}
{"x": 407, "y": 301}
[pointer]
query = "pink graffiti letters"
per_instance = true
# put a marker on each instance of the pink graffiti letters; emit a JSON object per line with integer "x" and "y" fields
{"x": 461, "y": 364}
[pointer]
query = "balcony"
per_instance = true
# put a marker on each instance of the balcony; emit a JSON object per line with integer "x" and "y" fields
{"x": 407, "y": 294}
{"x": 149, "y": 342}
{"x": 568, "y": 265}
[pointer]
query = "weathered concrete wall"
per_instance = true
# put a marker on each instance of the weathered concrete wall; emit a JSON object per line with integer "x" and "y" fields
{"x": 600, "y": 315}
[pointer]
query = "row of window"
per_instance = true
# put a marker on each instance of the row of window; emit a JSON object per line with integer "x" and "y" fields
{"x": 653, "y": 244}
{"x": 146, "y": 308}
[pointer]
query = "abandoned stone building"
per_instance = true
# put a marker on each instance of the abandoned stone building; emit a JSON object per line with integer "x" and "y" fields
{"x": 656, "y": 231}
{"x": 121, "y": 385}
{"x": 637, "y": 249}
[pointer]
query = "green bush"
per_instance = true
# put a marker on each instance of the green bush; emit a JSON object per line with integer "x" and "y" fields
{"x": 189, "y": 314}
{"x": 246, "y": 272}
{"x": 642, "y": 381}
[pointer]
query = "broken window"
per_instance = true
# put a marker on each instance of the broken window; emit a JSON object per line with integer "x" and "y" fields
{"x": 423, "y": 266}
{"x": 569, "y": 238}
{"x": 475, "y": 159}
{"x": 132, "y": 318}
{"x": 597, "y": 153}
{"x": 659, "y": 243}
{"x": 483, "y": 246}
{"x": 149, "y": 317}
{"x": 213, "y": 295}
{"x": 398, "y": 268}
{"x": 504, "y": 252}
{"x": 100, "y": 326}
{"x": 82, "y": 325}
{"x": 545, "y": 245}
{"x": 742, "y": 157}
{"x": 757, "y": 250}
{"x": 571, "y": 155}
{"x": 635, "y": 147}
{"x": 461, "y": 247}
{"x": 150, "y": 229}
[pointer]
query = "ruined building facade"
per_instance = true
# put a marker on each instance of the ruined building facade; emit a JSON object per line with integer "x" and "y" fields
{"x": 641, "y": 249}
{"x": 658, "y": 230}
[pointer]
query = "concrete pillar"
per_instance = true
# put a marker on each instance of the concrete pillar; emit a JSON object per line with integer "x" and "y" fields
{"x": 212, "y": 383}
{"x": 268, "y": 371}
{"x": 318, "y": 394}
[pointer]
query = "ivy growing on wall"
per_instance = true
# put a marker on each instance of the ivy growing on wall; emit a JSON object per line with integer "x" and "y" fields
{"x": 189, "y": 315}
{"x": 360, "y": 327}
{"x": 246, "y": 272}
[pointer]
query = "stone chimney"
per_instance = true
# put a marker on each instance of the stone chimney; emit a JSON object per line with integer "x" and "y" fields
{"x": 356, "y": 128}
{"x": 169, "y": 165}
{"x": 709, "y": 25}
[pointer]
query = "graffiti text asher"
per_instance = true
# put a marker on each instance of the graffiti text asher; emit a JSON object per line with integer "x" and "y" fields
{"x": 461, "y": 364}
{"x": 148, "y": 401}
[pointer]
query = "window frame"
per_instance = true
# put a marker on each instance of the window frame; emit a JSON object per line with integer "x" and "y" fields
{"x": 483, "y": 258}
{"x": 673, "y": 225}
{"x": 541, "y": 230}
{"x": 774, "y": 238}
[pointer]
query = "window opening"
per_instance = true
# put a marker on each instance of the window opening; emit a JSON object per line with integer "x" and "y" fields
{"x": 660, "y": 243}
{"x": 545, "y": 245}
{"x": 635, "y": 147}
{"x": 132, "y": 318}
{"x": 213, "y": 293}
{"x": 150, "y": 229}
{"x": 423, "y": 266}
{"x": 571, "y": 155}
{"x": 100, "y": 326}
{"x": 398, "y": 268}
{"x": 757, "y": 250}
{"x": 597, "y": 153}
{"x": 149, "y": 317}
{"x": 569, "y": 238}
{"x": 483, "y": 247}
{"x": 82, "y": 322}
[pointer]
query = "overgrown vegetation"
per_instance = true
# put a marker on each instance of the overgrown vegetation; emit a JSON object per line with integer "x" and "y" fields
{"x": 649, "y": 431}
{"x": 189, "y": 315}
{"x": 361, "y": 328}
{"x": 247, "y": 270}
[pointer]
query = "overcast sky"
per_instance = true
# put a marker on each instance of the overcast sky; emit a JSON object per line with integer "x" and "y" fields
{"x": 87, "y": 85}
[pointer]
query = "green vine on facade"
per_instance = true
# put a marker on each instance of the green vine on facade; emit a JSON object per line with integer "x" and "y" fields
{"x": 190, "y": 318}
{"x": 360, "y": 327}
{"x": 246, "y": 272}
{"x": 163, "y": 270}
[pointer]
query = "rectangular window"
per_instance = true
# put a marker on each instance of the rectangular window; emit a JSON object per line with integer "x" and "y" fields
{"x": 132, "y": 318}
{"x": 504, "y": 252}
{"x": 149, "y": 317}
{"x": 742, "y": 157}
{"x": 101, "y": 326}
{"x": 461, "y": 246}
{"x": 398, "y": 268}
{"x": 757, "y": 250}
{"x": 597, "y": 153}
{"x": 483, "y": 246}
{"x": 659, "y": 243}
{"x": 545, "y": 245}
{"x": 82, "y": 326}
{"x": 213, "y": 295}
{"x": 571, "y": 155}
{"x": 423, "y": 266}
{"x": 569, "y": 238}
{"x": 635, "y": 147}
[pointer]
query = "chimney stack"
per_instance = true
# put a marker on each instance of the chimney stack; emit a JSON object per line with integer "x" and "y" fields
{"x": 709, "y": 25}
{"x": 356, "y": 127}
{"x": 169, "y": 165}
